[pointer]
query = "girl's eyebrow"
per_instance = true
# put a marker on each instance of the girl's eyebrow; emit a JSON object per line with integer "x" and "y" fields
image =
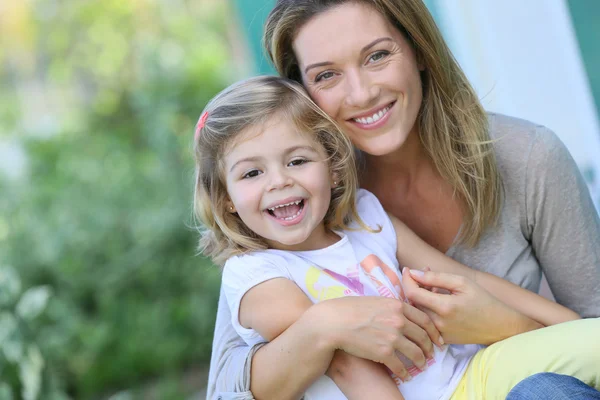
{"x": 246, "y": 159}
{"x": 286, "y": 152}
{"x": 300, "y": 147}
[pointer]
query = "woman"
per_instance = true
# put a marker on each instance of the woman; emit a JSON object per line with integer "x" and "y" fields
{"x": 493, "y": 192}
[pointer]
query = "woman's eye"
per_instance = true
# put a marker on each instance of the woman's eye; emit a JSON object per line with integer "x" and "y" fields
{"x": 324, "y": 76}
{"x": 251, "y": 174}
{"x": 297, "y": 162}
{"x": 380, "y": 55}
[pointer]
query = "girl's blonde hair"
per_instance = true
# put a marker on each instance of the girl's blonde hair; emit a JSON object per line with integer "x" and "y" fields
{"x": 453, "y": 124}
{"x": 250, "y": 104}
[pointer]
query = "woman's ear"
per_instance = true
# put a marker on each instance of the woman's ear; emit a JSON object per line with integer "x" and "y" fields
{"x": 420, "y": 62}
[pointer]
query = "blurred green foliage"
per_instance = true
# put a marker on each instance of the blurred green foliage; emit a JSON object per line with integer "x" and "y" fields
{"x": 101, "y": 98}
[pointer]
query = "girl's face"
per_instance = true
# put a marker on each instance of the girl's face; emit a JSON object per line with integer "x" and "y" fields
{"x": 362, "y": 72}
{"x": 279, "y": 184}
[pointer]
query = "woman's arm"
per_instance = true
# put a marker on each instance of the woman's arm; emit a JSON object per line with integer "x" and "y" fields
{"x": 281, "y": 312}
{"x": 471, "y": 314}
{"x": 413, "y": 252}
{"x": 230, "y": 359}
{"x": 562, "y": 224}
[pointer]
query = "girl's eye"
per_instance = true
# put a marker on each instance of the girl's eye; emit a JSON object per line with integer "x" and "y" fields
{"x": 324, "y": 76}
{"x": 297, "y": 162}
{"x": 378, "y": 56}
{"x": 251, "y": 174}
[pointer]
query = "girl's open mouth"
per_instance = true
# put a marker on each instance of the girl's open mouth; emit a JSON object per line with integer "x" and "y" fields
{"x": 288, "y": 214}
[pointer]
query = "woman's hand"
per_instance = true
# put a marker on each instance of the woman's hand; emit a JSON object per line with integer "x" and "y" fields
{"x": 377, "y": 329}
{"x": 468, "y": 314}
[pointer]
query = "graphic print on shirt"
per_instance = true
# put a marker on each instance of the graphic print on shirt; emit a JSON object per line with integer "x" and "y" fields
{"x": 378, "y": 271}
{"x": 324, "y": 284}
{"x": 319, "y": 284}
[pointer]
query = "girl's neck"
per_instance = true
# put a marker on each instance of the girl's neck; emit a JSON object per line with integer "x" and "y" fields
{"x": 319, "y": 239}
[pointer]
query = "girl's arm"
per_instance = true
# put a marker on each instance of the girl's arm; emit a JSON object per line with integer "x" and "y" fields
{"x": 271, "y": 308}
{"x": 415, "y": 253}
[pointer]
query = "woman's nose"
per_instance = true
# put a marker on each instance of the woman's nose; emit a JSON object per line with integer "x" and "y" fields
{"x": 360, "y": 92}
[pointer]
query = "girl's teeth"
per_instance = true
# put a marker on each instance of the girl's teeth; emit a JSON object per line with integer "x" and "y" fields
{"x": 292, "y": 217}
{"x": 285, "y": 205}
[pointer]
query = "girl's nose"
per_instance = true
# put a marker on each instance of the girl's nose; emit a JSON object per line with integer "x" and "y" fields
{"x": 279, "y": 179}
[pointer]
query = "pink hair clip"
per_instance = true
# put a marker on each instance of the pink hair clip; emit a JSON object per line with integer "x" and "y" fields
{"x": 200, "y": 124}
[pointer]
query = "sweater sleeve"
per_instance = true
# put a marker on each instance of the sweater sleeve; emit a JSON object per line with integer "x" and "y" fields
{"x": 229, "y": 374}
{"x": 563, "y": 225}
{"x": 233, "y": 345}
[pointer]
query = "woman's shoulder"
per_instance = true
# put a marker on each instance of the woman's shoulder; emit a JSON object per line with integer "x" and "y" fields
{"x": 516, "y": 135}
{"x": 521, "y": 145}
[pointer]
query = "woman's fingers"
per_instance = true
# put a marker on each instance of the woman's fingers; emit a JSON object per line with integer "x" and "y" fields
{"x": 407, "y": 352}
{"x": 451, "y": 282}
{"x": 419, "y": 296}
{"x": 424, "y": 321}
{"x": 393, "y": 363}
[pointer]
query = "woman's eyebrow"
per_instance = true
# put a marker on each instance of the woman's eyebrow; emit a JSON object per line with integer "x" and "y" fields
{"x": 364, "y": 49}
{"x": 376, "y": 41}
{"x": 317, "y": 65}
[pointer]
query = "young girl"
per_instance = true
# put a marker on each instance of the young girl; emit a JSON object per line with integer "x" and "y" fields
{"x": 276, "y": 191}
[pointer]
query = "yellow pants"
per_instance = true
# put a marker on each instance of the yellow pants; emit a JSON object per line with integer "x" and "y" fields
{"x": 571, "y": 348}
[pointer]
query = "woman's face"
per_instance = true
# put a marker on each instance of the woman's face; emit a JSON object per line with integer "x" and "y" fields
{"x": 362, "y": 72}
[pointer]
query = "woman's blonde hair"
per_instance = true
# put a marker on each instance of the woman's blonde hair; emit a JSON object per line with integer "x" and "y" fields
{"x": 453, "y": 124}
{"x": 250, "y": 104}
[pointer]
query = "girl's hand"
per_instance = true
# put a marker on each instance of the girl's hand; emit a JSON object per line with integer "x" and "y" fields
{"x": 468, "y": 314}
{"x": 378, "y": 329}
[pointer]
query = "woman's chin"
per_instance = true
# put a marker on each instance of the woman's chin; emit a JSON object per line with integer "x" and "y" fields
{"x": 381, "y": 147}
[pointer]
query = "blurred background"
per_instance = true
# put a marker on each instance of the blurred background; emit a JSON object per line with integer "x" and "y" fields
{"x": 102, "y": 295}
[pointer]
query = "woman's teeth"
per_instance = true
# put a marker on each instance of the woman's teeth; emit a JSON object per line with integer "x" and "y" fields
{"x": 373, "y": 118}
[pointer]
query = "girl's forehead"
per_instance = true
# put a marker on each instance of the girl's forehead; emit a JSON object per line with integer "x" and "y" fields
{"x": 273, "y": 130}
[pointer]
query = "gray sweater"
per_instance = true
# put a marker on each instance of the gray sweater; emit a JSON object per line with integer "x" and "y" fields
{"x": 548, "y": 224}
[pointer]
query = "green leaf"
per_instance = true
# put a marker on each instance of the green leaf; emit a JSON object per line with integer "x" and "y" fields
{"x": 33, "y": 302}
{"x": 30, "y": 372}
{"x": 10, "y": 285}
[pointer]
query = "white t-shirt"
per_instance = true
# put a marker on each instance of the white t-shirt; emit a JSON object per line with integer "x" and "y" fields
{"x": 361, "y": 263}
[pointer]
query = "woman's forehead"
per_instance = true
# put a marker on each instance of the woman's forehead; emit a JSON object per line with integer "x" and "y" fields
{"x": 349, "y": 26}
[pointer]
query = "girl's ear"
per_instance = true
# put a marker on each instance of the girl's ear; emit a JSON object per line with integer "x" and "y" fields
{"x": 335, "y": 180}
{"x": 230, "y": 206}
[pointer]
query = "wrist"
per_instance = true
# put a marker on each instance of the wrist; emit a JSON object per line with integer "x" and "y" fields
{"x": 515, "y": 323}
{"x": 318, "y": 328}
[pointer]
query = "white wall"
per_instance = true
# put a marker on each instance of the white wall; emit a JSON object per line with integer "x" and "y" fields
{"x": 523, "y": 59}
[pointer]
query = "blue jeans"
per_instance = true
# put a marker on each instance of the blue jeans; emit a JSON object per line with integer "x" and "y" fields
{"x": 550, "y": 386}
